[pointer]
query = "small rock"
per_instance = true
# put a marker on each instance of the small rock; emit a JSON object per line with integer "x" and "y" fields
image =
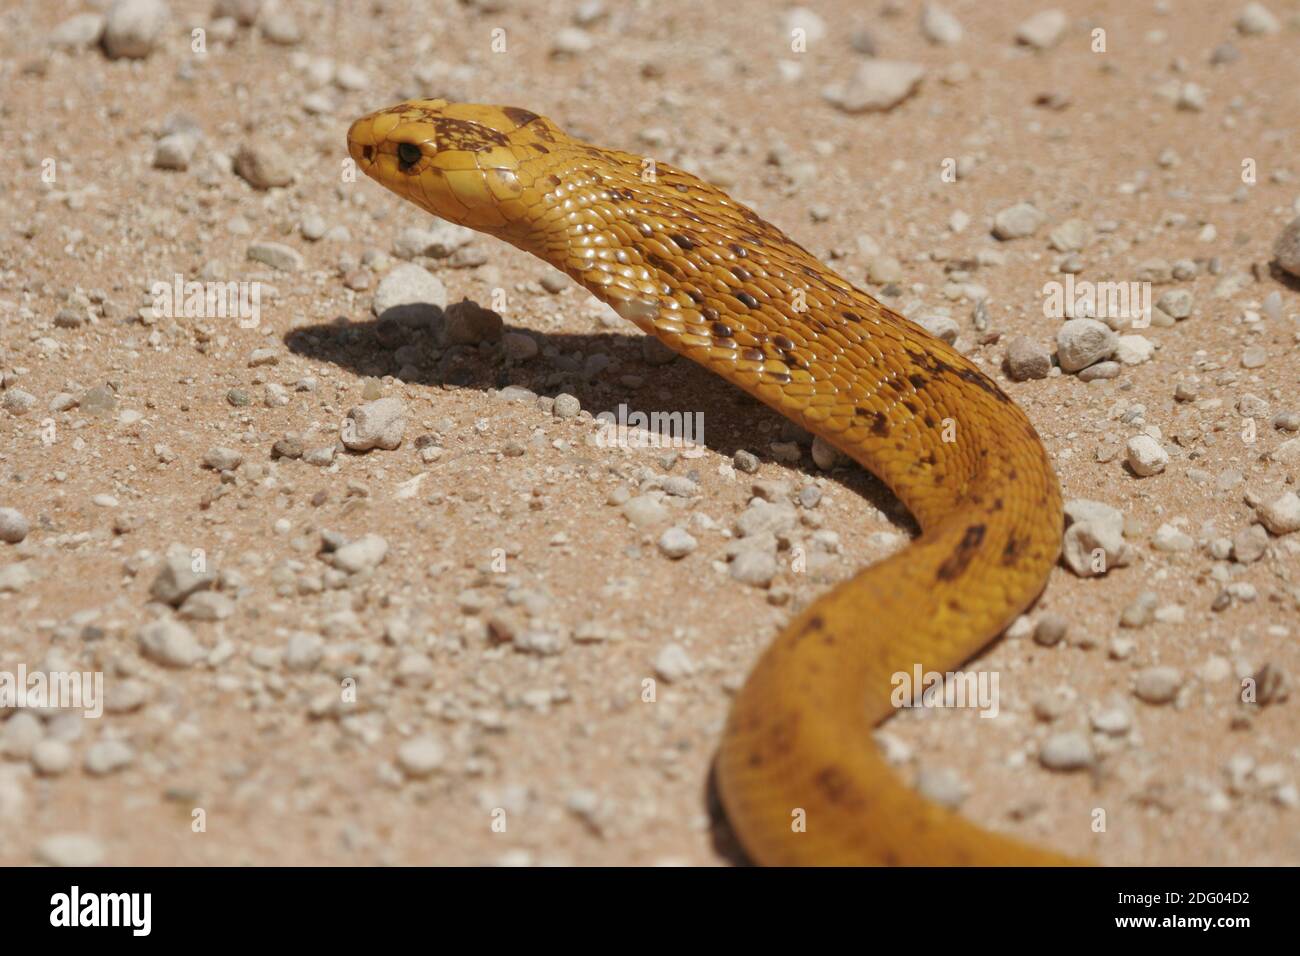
{"x": 1082, "y": 342}
{"x": 1070, "y": 750}
{"x": 1249, "y": 544}
{"x": 1158, "y": 685}
{"x": 468, "y": 323}
{"x": 1256, "y": 19}
{"x": 377, "y": 424}
{"x": 174, "y": 152}
{"x": 133, "y": 28}
{"x": 1027, "y": 359}
{"x": 939, "y": 26}
{"x": 1280, "y": 516}
{"x": 1016, "y": 222}
{"x": 676, "y": 543}
{"x": 421, "y": 757}
{"x": 1287, "y": 248}
{"x": 276, "y": 255}
{"x": 673, "y": 664}
{"x": 1043, "y": 30}
{"x": 878, "y": 85}
{"x": 14, "y": 526}
{"x": 170, "y": 643}
{"x": 70, "y": 849}
{"x": 1145, "y": 456}
{"x": 264, "y": 165}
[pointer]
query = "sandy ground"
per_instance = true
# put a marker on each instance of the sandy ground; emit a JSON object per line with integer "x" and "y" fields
{"x": 229, "y": 740}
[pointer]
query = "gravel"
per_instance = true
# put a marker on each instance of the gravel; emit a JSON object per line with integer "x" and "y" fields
{"x": 877, "y": 86}
{"x": 264, "y": 165}
{"x": 421, "y": 757}
{"x": 364, "y": 554}
{"x": 1069, "y": 750}
{"x": 70, "y": 849}
{"x": 1286, "y": 250}
{"x": 673, "y": 665}
{"x": 676, "y": 543}
{"x": 939, "y": 26}
{"x": 1145, "y": 456}
{"x": 1082, "y": 342}
{"x": 1280, "y": 515}
{"x": 134, "y": 28}
{"x": 1017, "y": 222}
{"x": 1043, "y": 30}
{"x": 170, "y": 643}
{"x": 378, "y": 424}
{"x": 1158, "y": 685}
{"x": 14, "y": 526}
{"x": 1027, "y": 359}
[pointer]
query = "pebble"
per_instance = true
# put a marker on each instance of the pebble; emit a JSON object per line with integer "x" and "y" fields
{"x": 1051, "y": 630}
{"x": 571, "y": 41}
{"x": 1093, "y": 526}
{"x": 1069, "y": 750}
{"x": 174, "y": 152}
{"x": 644, "y": 511}
{"x": 1249, "y": 544}
{"x": 377, "y": 424}
{"x": 676, "y": 543}
{"x": 1134, "y": 349}
{"x": 1016, "y": 222}
{"x": 566, "y": 406}
{"x": 1043, "y": 30}
{"x": 939, "y": 26}
{"x": 1158, "y": 685}
{"x": 1145, "y": 456}
{"x": 1280, "y": 516}
{"x": 206, "y": 606}
{"x": 107, "y": 756}
{"x": 877, "y": 85}
{"x": 133, "y": 28}
{"x": 18, "y": 401}
{"x": 1256, "y": 19}
{"x": 70, "y": 849}
{"x": 941, "y": 785}
{"x": 420, "y": 757}
{"x": 1102, "y": 371}
{"x": 364, "y": 554}
{"x": 1256, "y": 356}
{"x": 14, "y": 526}
{"x": 468, "y": 323}
{"x": 754, "y": 567}
{"x": 1069, "y": 236}
{"x": 1287, "y": 248}
{"x": 222, "y": 459}
{"x": 276, "y": 255}
{"x": 78, "y": 32}
{"x": 1177, "y": 303}
{"x": 544, "y": 643}
{"x": 304, "y": 651}
{"x": 519, "y": 346}
{"x": 1171, "y": 539}
{"x": 14, "y": 577}
{"x": 170, "y": 643}
{"x": 51, "y": 757}
{"x": 673, "y": 665}
{"x": 1141, "y": 612}
{"x": 1083, "y": 342}
{"x": 1114, "y": 721}
{"x": 1027, "y": 359}
{"x": 941, "y": 327}
{"x": 439, "y": 241}
{"x": 263, "y": 165}
{"x": 412, "y": 295}
{"x": 176, "y": 579}
{"x": 279, "y": 26}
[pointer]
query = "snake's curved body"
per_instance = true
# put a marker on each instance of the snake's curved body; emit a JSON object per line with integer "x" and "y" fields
{"x": 797, "y": 770}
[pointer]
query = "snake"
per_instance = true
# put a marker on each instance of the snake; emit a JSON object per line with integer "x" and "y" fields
{"x": 798, "y": 771}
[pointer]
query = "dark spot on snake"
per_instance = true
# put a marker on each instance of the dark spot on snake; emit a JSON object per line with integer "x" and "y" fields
{"x": 747, "y": 300}
{"x": 918, "y": 380}
{"x": 741, "y": 274}
{"x": 851, "y": 316}
{"x": 960, "y": 559}
{"x": 540, "y": 148}
{"x": 710, "y": 313}
{"x": 665, "y": 265}
{"x": 520, "y": 117}
{"x": 553, "y": 179}
{"x": 929, "y": 460}
{"x": 752, "y": 355}
{"x": 692, "y": 216}
{"x": 694, "y": 294}
{"x": 721, "y": 331}
{"x": 1012, "y": 551}
{"x": 740, "y": 251}
{"x": 783, "y": 343}
{"x": 837, "y": 788}
{"x": 368, "y": 152}
{"x": 684, "y": 242}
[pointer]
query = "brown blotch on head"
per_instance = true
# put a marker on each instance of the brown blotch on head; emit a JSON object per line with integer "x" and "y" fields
{"x": 520, "y": 117}
{"x": 836, "y": 786}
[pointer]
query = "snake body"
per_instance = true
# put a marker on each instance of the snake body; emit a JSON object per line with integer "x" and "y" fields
{"x": 797, "y": 771}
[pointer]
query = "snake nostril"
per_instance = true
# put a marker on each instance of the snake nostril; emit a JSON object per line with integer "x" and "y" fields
{"x": 368, "y": 152}
{"x": 408, "y": 154}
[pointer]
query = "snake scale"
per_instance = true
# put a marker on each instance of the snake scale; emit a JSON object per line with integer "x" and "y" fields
{"x": 798, "y": 773}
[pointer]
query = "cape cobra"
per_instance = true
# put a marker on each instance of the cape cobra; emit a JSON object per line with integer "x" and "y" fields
{"x": 798, "y": 773}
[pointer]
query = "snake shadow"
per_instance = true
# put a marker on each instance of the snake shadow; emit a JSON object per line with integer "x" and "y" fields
{"x": 405, "y": 346}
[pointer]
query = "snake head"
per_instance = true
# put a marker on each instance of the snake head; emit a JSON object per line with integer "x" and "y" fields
{"x": 462, "y": 162}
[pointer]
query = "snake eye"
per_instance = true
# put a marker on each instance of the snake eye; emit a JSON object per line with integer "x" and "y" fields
{"x": 408, "y": 154}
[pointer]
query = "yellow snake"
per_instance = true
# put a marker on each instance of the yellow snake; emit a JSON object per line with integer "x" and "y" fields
{"x": 797, "y": 770}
